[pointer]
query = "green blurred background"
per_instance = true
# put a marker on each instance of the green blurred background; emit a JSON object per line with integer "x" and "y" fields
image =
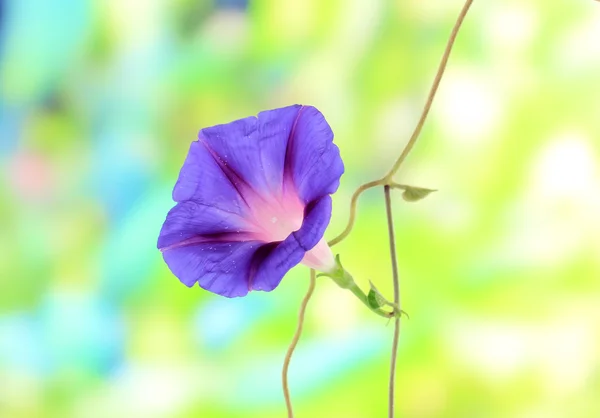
{"x": 500, "y": 268}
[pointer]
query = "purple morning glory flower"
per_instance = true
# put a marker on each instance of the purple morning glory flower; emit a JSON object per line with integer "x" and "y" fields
{"x": 253, "y": 200}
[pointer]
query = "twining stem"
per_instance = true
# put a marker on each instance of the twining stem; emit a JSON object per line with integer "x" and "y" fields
{"x": 396, "y": 282}
{"x": 290, "y": 351}
{"x": 387, "y": 179}
{"x": 352, "y": 217}
{"x": 384, "y": 181}
{"x": 432, "y": 91}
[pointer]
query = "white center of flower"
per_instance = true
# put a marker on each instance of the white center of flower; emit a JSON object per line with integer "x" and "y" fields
{"x": 275, "y": 218}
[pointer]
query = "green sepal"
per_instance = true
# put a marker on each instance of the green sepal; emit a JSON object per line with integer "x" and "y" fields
{"x": 339, "y": 275}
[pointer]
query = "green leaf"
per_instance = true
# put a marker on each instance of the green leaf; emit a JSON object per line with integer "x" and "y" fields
{"x": 413, "y": 194}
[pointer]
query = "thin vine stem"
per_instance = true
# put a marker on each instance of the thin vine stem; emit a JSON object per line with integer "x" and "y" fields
{"x": 396, "y": 282}
{"x": 387, "y": 179}
{"x": 292, "y": 347}
{"x": 352, "y": 217}
{"x": 432, "y": 91}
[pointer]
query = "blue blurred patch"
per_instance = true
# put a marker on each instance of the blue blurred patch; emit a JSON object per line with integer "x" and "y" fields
{"x": 11, "y": 125}
{"x": 70, "y": 331}
{"x": 231, "y": 4}
{"x": 218, "y": 322}
{"x": 79, "y": 331}
{"x": 20, "y": 346}
{"x": 119, "y": 176}
{"x": 130, "y": 253}
{"x": 2, "y": 12}
{"x": 2, "y": 31}
{"x": 40, "y": 41}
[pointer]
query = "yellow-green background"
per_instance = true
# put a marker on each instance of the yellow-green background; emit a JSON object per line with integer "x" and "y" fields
{"x": 500, "y": 268}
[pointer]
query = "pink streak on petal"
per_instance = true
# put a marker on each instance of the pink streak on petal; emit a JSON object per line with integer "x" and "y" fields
{"x": 320, "y": 257}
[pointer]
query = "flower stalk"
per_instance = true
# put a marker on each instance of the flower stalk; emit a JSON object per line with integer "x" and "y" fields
{"x": 292, "y": 347}
{"x": 374, "y": 300}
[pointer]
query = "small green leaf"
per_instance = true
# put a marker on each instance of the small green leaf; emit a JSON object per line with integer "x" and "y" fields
{"x": 413, "y": 194}
{"x": 375, "y": 298}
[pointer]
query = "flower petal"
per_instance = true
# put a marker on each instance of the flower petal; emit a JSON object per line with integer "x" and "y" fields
{"x": 253, "y": 149}
{"x": 192, "y": 220}
{"x": 231, "y": 269}
{"x": 202, "y": 179}
{"x": 291, "y": 251}
{"x": 313, "y": 161}
{"x": 219, "y": 267}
